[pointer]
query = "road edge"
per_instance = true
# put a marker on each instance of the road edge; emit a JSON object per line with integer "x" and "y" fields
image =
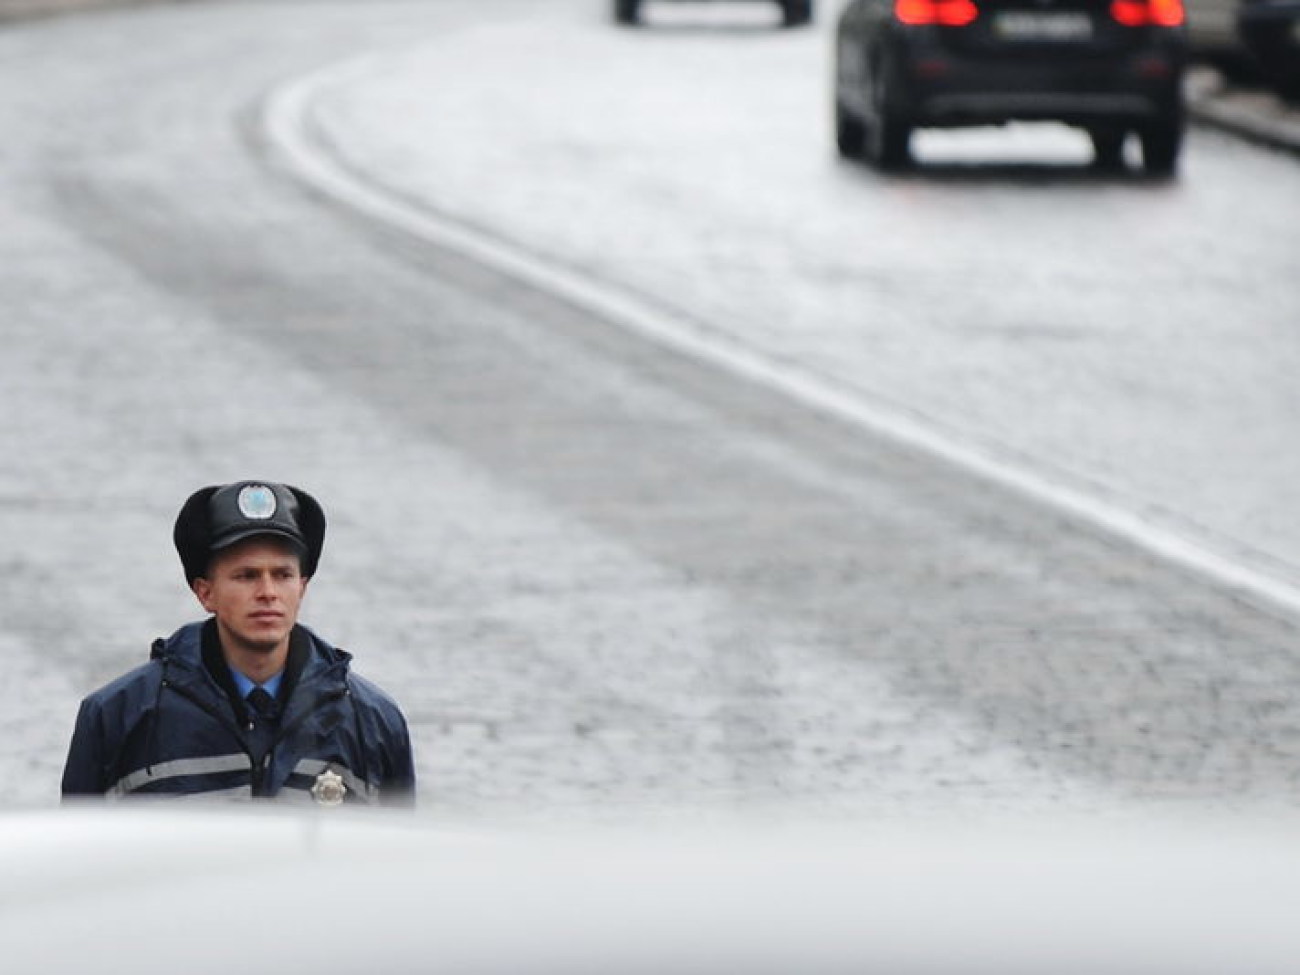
{"x": 286, "y": 124}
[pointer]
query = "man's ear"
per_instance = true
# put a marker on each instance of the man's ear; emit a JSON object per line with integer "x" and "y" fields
{"x": 203, "y": 592}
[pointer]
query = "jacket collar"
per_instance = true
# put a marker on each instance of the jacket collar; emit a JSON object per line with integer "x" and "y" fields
{"x": 195, "y": 661}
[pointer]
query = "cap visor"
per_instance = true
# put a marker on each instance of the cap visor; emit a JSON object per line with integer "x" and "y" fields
{"x": 298, "y": 543}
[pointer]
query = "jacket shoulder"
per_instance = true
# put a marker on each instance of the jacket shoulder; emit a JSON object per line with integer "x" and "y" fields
{"x": 146, "y": 676}
{"x": 368, "y": 694}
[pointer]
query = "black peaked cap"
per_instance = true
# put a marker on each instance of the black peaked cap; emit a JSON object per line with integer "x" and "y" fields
{"x": 221, "y": 515}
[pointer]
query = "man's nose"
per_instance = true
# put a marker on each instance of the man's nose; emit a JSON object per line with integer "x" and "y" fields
{"x": 265, "y": 586}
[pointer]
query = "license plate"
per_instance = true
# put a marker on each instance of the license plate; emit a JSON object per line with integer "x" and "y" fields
{"x": 1033, "y": 25}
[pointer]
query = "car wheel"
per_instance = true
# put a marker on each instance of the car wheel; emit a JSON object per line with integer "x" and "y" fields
{"x": 1161, "y": 143}
{"x": 850, "y": 133}
{"x": 892, "y": 137}
{"x": 1107, "y": 148}
{"x": 626, "y": 11}
{"x": 796, "y": 13}
{"x": 889, "y": 135}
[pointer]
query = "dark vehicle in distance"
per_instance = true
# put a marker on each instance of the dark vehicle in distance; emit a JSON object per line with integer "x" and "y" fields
{"x": 1270, "y": 31}
{"x": 1110, "y": 67}
{"x": 794, "y": 13}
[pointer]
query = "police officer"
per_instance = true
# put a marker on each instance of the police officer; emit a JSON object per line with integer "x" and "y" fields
{"x": 248, "y": 702}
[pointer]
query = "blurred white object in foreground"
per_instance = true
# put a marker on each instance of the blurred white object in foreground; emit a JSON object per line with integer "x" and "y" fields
{"x": 158, "y": 888}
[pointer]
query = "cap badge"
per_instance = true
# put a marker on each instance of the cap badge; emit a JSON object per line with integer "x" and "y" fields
{"x": 329, "y": 789}
{"x": 257, "y": 501}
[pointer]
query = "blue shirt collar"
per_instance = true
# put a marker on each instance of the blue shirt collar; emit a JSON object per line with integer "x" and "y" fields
{"x": 243, "y": 684}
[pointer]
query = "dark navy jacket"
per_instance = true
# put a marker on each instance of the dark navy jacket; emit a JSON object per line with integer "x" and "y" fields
{"x": 171, "y": 727}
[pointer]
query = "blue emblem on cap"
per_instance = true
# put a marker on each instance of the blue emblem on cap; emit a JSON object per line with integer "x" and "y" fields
{"x": 257, "y": 501}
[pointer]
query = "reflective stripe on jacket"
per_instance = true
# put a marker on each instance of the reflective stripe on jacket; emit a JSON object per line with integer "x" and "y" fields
{"x": 168, "y": 728}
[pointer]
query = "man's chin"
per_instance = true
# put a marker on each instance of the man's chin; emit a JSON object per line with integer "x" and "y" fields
{"x": 262, "y": 642}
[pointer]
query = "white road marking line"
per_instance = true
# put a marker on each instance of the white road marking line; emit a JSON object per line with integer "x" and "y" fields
{"x": 287, "y": 124}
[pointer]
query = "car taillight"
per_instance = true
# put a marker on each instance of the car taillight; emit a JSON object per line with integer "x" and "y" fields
{"x": 945, "y": 13}
{"x": 1148, "y": 13}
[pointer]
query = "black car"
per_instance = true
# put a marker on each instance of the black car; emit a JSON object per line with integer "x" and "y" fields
{"x": 794, "y": 13}
{"x": 1110, "y": 67}
{"x": 1270, "y": 30}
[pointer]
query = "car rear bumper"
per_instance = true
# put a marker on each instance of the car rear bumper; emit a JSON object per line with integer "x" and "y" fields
{"x": 937, "y": 87}
{"x": 966, "y": 107}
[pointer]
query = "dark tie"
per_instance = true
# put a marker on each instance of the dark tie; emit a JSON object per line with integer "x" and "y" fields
{"x": 264, "y": 705}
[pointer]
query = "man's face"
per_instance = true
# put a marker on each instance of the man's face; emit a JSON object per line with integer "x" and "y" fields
{"x": 254, "y": 589}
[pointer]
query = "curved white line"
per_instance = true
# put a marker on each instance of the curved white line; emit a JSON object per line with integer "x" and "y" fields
{"x": 287, "y": 124}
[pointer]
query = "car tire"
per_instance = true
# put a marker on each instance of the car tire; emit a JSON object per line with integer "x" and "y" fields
{"x": 796, "y": 13}
{"x": 889, "y": 134}
{"x": 1161, "y": 143}
{"x": 850, "y": 133}
{"x": 626, "y": 11}
{"x": 1107, "y": 148}
{"x": 891, "y": 139}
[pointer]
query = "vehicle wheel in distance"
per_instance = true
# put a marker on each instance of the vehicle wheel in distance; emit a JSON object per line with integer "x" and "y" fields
{"x": 889, "y": 135}
{"x": 1161, "y": 143}
{"x": 889, "y": 141}
{"x": 850, "y": 133}
{"x": 796, "y": 13}
{"x": 1107, "y": 148}
{"x": 626, "y": 11}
